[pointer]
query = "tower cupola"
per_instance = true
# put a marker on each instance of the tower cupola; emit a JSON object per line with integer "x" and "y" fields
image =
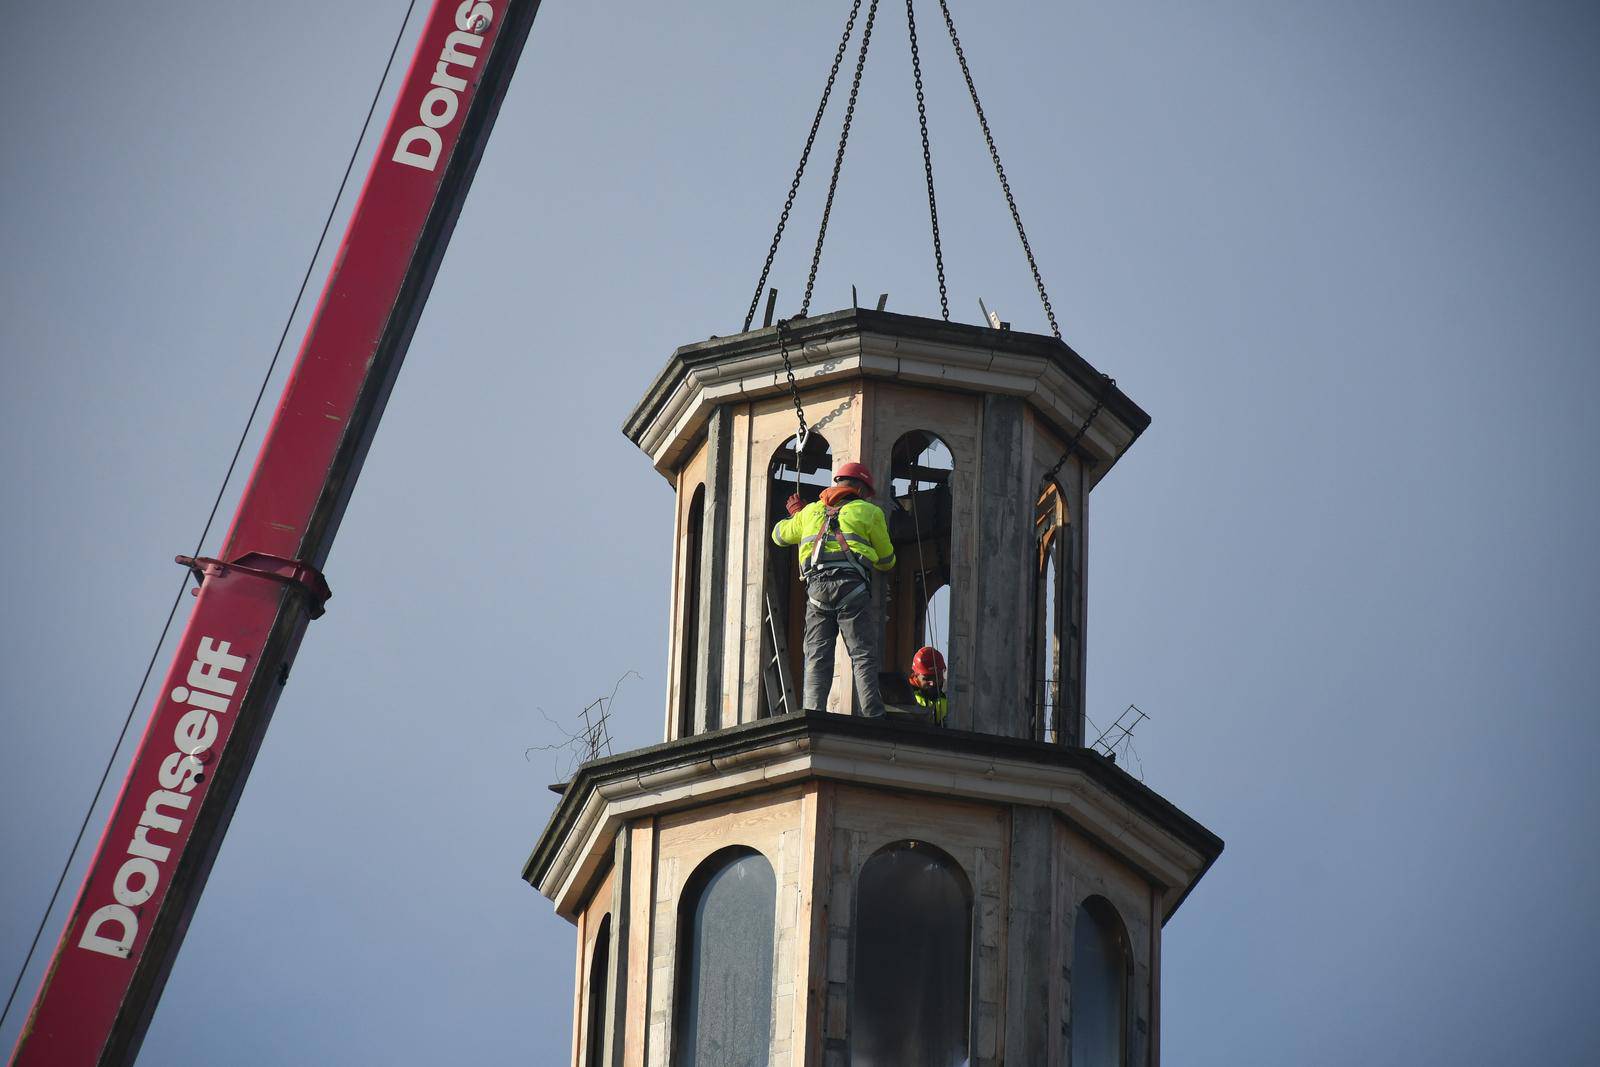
{"x": 985, "y": 444}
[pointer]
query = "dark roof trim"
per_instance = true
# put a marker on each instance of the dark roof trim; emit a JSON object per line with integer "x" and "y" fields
{"x": 763, "y": 732}
{"x": 855, "y": 321}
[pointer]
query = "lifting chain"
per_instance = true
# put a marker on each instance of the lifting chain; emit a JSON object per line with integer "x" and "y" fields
{"x": 994, "y": 154}
{"x": 794, "y": 392}
{"x": 827, "y": 210}
{"x": 1072, "y": 445}
{"x": 838, "y": 158}
{"x": 811, "y": 138}
{"x": 927, "y": 161}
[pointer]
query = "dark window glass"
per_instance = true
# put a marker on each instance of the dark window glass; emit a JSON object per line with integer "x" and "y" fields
{"x": 912, "y": 961}
{"x": 1099, "y": 986}
{"x": 599, "y": 975}
{"x": 724, "y": 999}
{"x": 689, "y": 639}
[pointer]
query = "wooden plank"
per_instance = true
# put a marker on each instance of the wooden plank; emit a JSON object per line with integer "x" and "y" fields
{"x": 743, "y": 515}
{"x": 577, "y": 988}
{"x": 713, "y": 572}
{"x": 816, "y": 821}
{"x": 690, "y": 477}
{"x": 1155, "y": 978}
{"x": 999, "y": 665}
{"x": 617, "y": 952}
{"x": 639, "y": 929}
{"x": 1029, "y": 962}
{"x": 1078, "y": 511}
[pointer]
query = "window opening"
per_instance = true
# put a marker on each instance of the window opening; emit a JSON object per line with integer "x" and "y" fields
{"x": 599, "y": 978}
{"x": 807, "y": 472}
{"x": 1100, "y": 974}
{"x": 912, "y": 961}
{"x": 724, "y": 989}
{"x": 917, "y": 598}
{"x": 689, "y": 639}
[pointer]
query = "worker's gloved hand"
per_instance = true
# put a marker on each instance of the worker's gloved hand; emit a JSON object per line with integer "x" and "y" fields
{"x": 794, "y": 504}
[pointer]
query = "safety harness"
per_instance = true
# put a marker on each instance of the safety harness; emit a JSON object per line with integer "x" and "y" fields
{"x": 852, "y": 561}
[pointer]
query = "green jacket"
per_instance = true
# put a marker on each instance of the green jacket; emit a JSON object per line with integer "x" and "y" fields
{"x": 865, "y": 532}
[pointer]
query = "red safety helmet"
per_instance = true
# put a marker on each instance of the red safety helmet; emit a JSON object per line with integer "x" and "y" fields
{"x": 927, "y": 668}
{"x": 858, "y": 471}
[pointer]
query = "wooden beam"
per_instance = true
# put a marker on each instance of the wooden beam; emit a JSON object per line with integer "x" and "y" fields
{"x": 1029, "y": 961}
{"x": 999, "y": 663}
{"x": 713, "y": 571}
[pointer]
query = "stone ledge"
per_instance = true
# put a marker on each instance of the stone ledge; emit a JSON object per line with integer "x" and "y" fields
{"x": 1126, "y": 817}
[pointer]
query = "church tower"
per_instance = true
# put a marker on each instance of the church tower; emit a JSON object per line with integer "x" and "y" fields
{"x": 768, "y": 886}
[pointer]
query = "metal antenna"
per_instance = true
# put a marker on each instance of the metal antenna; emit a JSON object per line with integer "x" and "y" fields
{"x": 1120, "y": 732}
{"x": 592, "y": 740}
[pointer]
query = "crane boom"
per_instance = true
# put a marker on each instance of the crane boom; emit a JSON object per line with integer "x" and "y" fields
{"x": 255, "y": 599}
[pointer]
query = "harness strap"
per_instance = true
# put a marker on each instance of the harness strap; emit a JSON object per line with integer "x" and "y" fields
{"x": 830, "y": 525}
{"x": 859, "y": 590}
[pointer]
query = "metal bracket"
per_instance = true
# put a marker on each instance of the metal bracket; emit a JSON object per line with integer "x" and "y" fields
{"x": 273, "y": 568}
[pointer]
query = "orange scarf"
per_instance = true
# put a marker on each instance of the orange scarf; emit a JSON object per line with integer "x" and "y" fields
{"x": 836, "y": 496}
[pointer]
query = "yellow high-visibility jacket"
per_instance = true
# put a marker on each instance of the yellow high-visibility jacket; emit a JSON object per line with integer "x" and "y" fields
{"x": 866, "y": 533}
{"x": 939, "y": 705}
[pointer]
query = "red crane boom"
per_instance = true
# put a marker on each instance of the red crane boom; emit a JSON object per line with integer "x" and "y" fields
{"x": 255, "y": 599}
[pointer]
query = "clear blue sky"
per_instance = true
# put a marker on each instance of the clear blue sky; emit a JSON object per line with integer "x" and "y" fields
{"x": 1345, "y": 254}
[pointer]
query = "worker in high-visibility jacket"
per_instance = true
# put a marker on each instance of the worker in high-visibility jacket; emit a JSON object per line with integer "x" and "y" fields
{"x": 927, "y": 683}
{"x": 843, "y": 538}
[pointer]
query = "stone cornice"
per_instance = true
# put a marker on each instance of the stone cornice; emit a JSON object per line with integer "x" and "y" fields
{"x": 1095, "y": 796}
{"x": 857, "y": 342}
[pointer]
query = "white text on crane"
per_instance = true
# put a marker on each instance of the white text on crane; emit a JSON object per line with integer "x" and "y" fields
{"x": 111, "y": 930}
{"x": 419, "y": 146}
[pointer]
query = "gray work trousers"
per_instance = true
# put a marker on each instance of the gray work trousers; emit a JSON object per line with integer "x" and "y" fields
{"x": 840, "y": 602}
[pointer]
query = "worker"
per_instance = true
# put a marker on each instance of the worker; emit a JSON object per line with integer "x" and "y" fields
{"x": 843, "y": 538}
{"x": 927, "y": 682}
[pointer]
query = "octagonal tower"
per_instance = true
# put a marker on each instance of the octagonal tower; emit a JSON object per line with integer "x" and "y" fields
{"x": 773, "y": 887}
{"x": 997, "y": 525}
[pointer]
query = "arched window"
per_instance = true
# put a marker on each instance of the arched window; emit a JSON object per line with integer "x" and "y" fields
{"x": 1100, "y": 975}
{"x": 689, "y": 637}
{"x": 599, "y": 978}
{"x": 917, "y": 604}
{"x": 723, "y": 1014}
{"x": 1052, "y": 697}
{"x": 912, "y": 962}
{"x": 807, "y": 472}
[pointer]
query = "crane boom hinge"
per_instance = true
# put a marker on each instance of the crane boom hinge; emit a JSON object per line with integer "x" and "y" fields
{"x": 273, "y": 568}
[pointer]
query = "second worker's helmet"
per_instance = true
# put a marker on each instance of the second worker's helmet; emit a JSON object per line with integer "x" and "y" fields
{"x": 927, "y": 668}
{"x": 858, "y": 471}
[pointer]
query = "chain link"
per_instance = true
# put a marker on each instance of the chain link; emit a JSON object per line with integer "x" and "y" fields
{"x": 838, "y": 158}
{"x": 994, "y": 154}
{"x": 811, "y": 138}
{"x": 927, "y": 162}
{"x": 794, "y": 389}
